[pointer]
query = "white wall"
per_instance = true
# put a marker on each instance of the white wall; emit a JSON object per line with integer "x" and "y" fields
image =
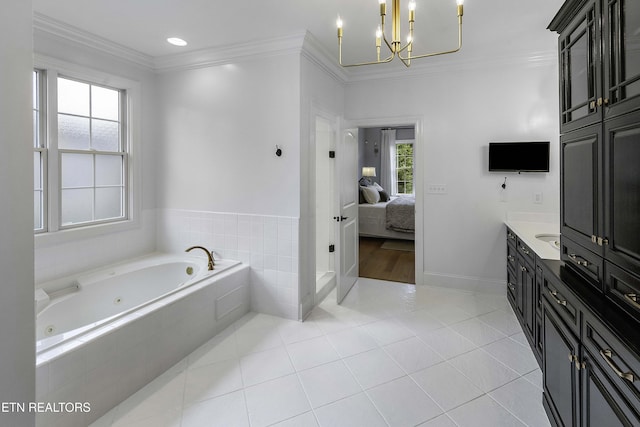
{"x": 219, "y": 127}
{"x": 17, "y": 358}
{"x": 464, "y": 108}
{"x": 60, "y": 257}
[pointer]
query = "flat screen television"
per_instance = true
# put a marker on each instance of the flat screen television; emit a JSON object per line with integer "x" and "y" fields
{"x": 519, "y": 156}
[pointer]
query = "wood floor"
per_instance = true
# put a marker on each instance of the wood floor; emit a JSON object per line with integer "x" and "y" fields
{"x": 385, "y": 264}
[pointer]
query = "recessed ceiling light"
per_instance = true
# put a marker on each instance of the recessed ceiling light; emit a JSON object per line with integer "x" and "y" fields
{"x": 176, "y": 41}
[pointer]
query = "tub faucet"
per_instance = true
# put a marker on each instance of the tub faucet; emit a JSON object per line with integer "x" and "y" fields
{"x": 210, "y": 264}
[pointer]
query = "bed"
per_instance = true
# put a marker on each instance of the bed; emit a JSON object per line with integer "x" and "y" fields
{"x": 394, "y": 219}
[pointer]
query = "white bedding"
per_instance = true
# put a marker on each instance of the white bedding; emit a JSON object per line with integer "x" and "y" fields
{"x": 372, "y": 222}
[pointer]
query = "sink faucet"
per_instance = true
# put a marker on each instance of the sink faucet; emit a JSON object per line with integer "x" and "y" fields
{"x": 210, "y": 264}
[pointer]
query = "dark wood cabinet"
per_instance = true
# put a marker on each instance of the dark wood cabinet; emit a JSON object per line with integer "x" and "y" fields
{"x": 560, "y": 378}
{"x": 527, "y": 284}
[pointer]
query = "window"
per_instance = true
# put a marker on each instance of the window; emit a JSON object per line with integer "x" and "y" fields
{"x": 81, "y": 152}
{"x": 404, "y": 167}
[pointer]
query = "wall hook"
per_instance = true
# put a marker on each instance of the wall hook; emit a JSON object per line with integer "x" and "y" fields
{"x": 278, "y": 151}
{"x": 504, "y": 184}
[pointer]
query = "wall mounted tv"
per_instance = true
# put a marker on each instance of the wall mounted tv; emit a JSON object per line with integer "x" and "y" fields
{"x": 519, "y": 156}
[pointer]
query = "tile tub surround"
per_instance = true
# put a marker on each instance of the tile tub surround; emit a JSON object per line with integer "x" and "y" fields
{"x": 269, "y": 244}
{"x": 383, "y": 358}
{"x": 137, "y": 348}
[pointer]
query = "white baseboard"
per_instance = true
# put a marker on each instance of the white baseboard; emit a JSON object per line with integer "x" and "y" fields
{"x": 465, "y": 283}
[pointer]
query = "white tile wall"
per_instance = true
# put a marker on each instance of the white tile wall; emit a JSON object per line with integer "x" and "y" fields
{"x": 269, "y": 244}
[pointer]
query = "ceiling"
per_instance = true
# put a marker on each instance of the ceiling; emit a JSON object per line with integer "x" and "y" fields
{"x": 491, "y": 27}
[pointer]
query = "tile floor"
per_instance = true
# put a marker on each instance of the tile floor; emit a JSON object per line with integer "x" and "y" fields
{"x": 390, "y": 355}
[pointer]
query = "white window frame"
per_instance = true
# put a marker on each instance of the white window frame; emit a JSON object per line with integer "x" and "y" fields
{"x": 55, "y": 233}
{"x": 394, "y": 159}
{"x": 42, "y": 147}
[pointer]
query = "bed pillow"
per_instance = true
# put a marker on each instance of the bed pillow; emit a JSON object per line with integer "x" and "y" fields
{"x": 371, "y": 195}
{"x": 361, "y": 199}
{"x": 384, "y": 196}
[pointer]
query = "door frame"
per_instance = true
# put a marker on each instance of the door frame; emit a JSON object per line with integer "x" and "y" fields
{"x": 418, "y": 174}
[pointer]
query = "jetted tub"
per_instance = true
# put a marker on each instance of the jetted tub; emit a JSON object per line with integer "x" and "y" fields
{"x": 133, "y": 320}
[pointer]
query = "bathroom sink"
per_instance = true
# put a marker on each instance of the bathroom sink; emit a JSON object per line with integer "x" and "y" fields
{"x": 552, "y": 239}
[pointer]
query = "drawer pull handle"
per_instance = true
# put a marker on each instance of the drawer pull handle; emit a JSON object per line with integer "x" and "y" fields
{"x": 607, "y": 356}
{"x": 513, "y": 288}
{"x": 510, "y": 258}
{"x": 578, "y": 260}
{"x": 511, "y": 236}
{"x": 633, "y": 298}
{"x": 554, "y": 295}
{"x": 523, "y": 249}
{"x": 523, "y": 268}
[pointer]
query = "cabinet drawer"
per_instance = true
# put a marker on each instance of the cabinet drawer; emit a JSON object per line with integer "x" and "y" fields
{"x": 583, "y": 261}
{"x": 563, "y": 302}
{"x": 511, "y": 256}
{"x": 512, "y": 289}
{"x": 623, "y": 288}
{"x": 526, "y": 252}
{"x": 615, "y": 359}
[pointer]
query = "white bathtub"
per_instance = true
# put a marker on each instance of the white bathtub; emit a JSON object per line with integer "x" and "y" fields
{"x": 103, "y": 335}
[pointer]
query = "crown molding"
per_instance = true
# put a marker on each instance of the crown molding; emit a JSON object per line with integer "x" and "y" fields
{"x": 219, "y": 56}
{"x": 313, "y": 50}
{"x": 59, "y": 29}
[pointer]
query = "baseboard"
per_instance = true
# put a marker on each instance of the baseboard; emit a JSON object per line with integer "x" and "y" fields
{"x": 465, "y": 283}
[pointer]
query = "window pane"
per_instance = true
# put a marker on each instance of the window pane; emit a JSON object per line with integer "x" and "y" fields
{"x": 36, "y": 127}
{"x": 73, "y": 97}
{"x": 105, "y": 103}
{"x": 77, "y": 170}
{"x": 73, "y": 132}
{"x": 108, "y": 170}
{"x": 77, "y": 205}
{"x": 108, "y": 203}
{"x": 37, "y": 171}
{"x": 105, "y": 135}
{"x": 35, "y": 89}
{"x": 37, "y": 210}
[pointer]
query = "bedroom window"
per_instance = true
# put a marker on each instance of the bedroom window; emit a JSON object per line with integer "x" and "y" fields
{"x": 403, "y": 174}
{"x": 82, "y": 133}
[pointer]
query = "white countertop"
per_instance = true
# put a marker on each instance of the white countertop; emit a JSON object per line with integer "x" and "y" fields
{"x": 527, "y": 231}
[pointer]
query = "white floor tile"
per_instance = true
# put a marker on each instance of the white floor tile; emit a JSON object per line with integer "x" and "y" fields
{"x": 477, "y": 332}
{"x": 402, "y": 403}
{"x": 387, "y": 331}
{"x": 523, "y": 400}
{"x": 441, "y": 421}
{"x": 447, "y": 342}
{"x": 253, "y": 340}
{"x": 535, "y": 378}
{"x": 446, "y": 385}
{"x": 327, "y": 383}
{"x": 305, "y": 420}
{"x": 293, "y": 331}
{"x": 167, "y": 418}
{"x": 484, "y": 371}
{"x": 354, "y": 411}
{"x": 373, "y": 367}
{"x": 412, "y": 354}
{"x": 512, "y": 354}
{"x": 420, "y": 321}
{"x": 223, "y": 411}
{"x": 222, "y": 347}
{"x": 276, "y": 400}
{"x": 483, "y": 412}
{"x": 505, "y": 322}
{"x": 311, "y": 353}
{"x": 265, "y": 366}
{"x": 215, "y": 379}
{"x": 352, "y": 341}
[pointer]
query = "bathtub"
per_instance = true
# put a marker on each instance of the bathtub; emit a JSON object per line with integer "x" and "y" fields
{"x": 103, "y": 335}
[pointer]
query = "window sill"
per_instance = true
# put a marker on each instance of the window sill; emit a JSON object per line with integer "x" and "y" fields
{"x": 91, "y": 231}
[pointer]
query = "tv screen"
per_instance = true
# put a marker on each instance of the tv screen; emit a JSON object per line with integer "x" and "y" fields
{"x": 519, "y": 156}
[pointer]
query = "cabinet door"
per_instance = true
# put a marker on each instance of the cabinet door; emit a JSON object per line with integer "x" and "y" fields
{"x": 579, "y": 71}
{"x": 581, "y": 186}
{"x": 601, "y": 402}
{"x": 527, "y": 279}
{"x": 622, "y": 57}
{"x": 560, "y": 377}
{"x": 622, "y": 191}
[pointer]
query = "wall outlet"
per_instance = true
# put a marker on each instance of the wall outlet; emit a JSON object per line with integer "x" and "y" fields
{"x": 436, "y": 189}
{"x": 537, "y": 198}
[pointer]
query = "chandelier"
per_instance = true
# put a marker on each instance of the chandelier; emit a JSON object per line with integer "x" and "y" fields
{"x": 395, "y": 46}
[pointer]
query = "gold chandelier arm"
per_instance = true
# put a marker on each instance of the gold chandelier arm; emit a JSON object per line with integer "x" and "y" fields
{"x": 389, "y": 59}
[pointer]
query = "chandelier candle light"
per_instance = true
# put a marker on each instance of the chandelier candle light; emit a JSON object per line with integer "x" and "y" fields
{"x": 395, "y": 46}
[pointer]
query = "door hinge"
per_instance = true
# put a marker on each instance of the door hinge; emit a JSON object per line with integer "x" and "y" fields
{"x": 332, "y": 248}
{"x": 332, "y": 154}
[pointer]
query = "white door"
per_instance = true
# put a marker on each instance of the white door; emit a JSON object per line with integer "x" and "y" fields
{"x": 347, "y": 218}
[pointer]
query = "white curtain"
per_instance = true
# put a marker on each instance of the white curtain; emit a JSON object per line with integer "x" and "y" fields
{"x": 388, "y": 160}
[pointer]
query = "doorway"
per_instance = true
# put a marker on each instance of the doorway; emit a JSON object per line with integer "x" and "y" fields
{"x": 387, "y": 226}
